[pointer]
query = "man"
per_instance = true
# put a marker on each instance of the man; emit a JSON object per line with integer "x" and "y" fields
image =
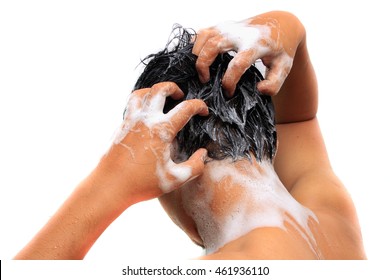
{"x": 237, "y": 204}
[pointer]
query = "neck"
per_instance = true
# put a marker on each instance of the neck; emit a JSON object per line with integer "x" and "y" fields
{"x": 231, "y": 199}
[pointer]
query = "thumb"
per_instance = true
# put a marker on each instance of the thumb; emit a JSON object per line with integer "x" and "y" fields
{"x": 195, "y": 163}
{"x": 276, "y": 75}
{"x": 178, "y": 174}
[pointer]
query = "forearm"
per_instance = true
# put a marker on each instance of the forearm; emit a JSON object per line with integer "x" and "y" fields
{"x": 76, "y": 226}
{"x": 136, "y": 168}
{"x": 297, "y": 99}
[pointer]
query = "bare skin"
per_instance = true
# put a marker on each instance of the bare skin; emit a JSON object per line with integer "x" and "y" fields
{"x": 301, "y": 162}
{"x": 137, "y": 167}
{"x": 337, "y": 233}
{"x": 121, "y": 179}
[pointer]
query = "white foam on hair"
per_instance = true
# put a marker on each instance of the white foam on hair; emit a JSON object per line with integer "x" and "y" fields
{"x": 263, "y": 202}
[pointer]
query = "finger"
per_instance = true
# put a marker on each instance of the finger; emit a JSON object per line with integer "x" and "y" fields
{"x": 201, "y": 38}
{"x": 236, "y": 68}
{"x": 178, "y": 174}
{"x": 167, "y": 89}
{"x": 155, "y": 101}
{"x": 214, "y": 46}
{"x": 269, "y": 87}
{"x": 275, "y": 77}
{"x": 196, "y": 163}
{"x": 138, "y": 95}
{"x": 183, "y": 112}
{"x": 135, "y": 101}
{"x": 140, "y": 92}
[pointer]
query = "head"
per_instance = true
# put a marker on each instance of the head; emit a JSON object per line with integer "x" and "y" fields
{"x": 241, "y": 127}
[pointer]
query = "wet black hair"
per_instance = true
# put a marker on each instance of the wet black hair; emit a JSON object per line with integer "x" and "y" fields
{"x": 234, "y": 127}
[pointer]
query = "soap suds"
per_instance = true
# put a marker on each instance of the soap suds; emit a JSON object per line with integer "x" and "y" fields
{"x": 263, "y": 202}
{"x": 170, "y": 174}
{"x": 257, "y": 38}
{"x": 147, "y": 110}
{"x": 243, "y": 35}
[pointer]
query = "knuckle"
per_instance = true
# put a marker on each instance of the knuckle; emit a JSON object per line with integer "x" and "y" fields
{"x": 163, "y": 131}
{"x": 160, "y": 86}
{"x": 214, "y": 42}
{"x": 206, "y": 31}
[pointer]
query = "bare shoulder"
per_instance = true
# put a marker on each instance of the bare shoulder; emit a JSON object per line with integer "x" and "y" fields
{"x": 301, "y": 149}
{"x": 338, "y": 238}
{"x": 303, "y": 166}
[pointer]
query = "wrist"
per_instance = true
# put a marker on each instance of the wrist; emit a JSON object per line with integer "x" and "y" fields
{"x": 297, "y": 99}
{"x": 121, "y": 180}
{"x": 108, "y": 187}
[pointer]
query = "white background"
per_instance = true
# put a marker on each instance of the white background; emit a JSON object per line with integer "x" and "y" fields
{"x": 67, "y": 67}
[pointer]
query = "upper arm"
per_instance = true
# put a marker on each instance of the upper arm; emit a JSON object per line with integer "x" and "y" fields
{"x": 301, "y": 149}
{"x": 303, "y": 166}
